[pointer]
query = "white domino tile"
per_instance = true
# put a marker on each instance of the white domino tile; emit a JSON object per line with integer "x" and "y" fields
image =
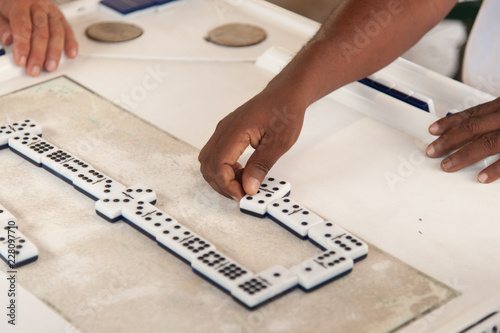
{"x": 31, "y": 146}
{"x": 135, "y": 205}
{"x": 110, "y": 208}
{"x": 270, "y": 190}
{"x": 184, "y": 242}
{"x": 330, "y": 236}
{"x": 25, "y": 126}
{"x": 5, "y": 215}
{"x": 15, "y": 249}
{"x": 293, "y": 216}
{"x": 264, "y": 286}
{"x": 6, "y": 224}
{"x": 218, "y": 268}
{"x": 141, "y": 192}
{"x": 96, "y": 185}
{"x": 147, "y": 218}
{"x": 7, "y": 131}
{"x": 323, "y": 268}
{"x": 74, "y": 167}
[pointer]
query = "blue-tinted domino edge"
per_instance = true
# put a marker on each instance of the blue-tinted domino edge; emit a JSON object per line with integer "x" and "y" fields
{"x": 57, "y": 174}
{"x": 255, "y": 307}
{"x": 175, "y": 254}
{"x": 144, "y": 232}
{"x": 286, "y": 227}
{"x": 208, "y": 279}
{"x": 85, "y": 192}
{"x": 249, "y": 212}
{"x": 317, "y": 245}
{"x": 116, "y": 219}
{"x": 26, "y": 158}
{"x": 21, "y": 263}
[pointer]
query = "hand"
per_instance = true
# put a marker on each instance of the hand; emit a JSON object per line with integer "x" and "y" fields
{"x": 270, "y": 124}
{"x": 39, "y": 32}
{"x": 475, "y": 133}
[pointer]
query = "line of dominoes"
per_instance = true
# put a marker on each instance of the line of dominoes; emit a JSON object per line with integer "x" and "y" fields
{"x": 135, "y": 205}
{"x": 342, "y": 249}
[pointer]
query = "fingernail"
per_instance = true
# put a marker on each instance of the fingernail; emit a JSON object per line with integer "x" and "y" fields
{"x": 6, "y": 38}
{"x": 446, "y": 164}
{"x": 35, "y": 70}
{"x": 235, "y": 199}
{"x": 254, "y": 185}
{"x": 434, "y": 128}
{"x": 431, "y": 151}
{"x": 22, "y": 61}
{"x": 483, "y": 177}
{"x": 51, "y": 65}
{"x": 72, "y": 53}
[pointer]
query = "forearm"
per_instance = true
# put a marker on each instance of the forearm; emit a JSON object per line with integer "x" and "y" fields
{"x": 359, "y": 38}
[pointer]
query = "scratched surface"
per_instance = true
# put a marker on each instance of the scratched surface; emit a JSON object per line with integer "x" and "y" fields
{"x": 105, "y": 277}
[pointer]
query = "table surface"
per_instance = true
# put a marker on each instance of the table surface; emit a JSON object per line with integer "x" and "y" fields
{"x": 107, "y": 267}
{"x": 372, "y": 179}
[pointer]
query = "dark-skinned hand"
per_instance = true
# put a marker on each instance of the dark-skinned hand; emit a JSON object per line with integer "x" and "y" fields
{"x": 470, "y": 136}
{"x": 269, "y": 124}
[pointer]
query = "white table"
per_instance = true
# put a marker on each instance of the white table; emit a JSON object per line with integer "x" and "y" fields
{"x": 372, "y": 179}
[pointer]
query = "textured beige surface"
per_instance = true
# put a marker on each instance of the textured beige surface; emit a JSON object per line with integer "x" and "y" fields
{"x": 105, "y": 277}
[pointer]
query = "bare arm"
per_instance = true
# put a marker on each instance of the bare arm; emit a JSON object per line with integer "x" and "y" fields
{"x": 359, "y": 38}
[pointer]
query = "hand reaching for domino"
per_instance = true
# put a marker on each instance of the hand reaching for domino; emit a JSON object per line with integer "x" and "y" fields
{"x": 270, "y": 122}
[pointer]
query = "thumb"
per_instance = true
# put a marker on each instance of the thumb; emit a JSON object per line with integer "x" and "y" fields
{"x": 257, "y": 167}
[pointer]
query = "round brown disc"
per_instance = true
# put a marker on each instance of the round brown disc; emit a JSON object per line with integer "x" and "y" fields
{"x": 112, "y": 32}
{"x": 236, "y": 34}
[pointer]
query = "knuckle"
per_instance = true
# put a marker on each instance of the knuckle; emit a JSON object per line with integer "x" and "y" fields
{"x": 489, "y": 142}
{"x": 473, "y": 112}
{"x": 471, "y": 126}
{"x": 262, "y": 165}
{"x": 24, "y": 31}
{"x": 57, "y": 29}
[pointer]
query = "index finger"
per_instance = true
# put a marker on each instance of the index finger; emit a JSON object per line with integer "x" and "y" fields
{"x": 453, "y": 120}
{"x": 20, "y": 23}
{"x": 219, "y": 164}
